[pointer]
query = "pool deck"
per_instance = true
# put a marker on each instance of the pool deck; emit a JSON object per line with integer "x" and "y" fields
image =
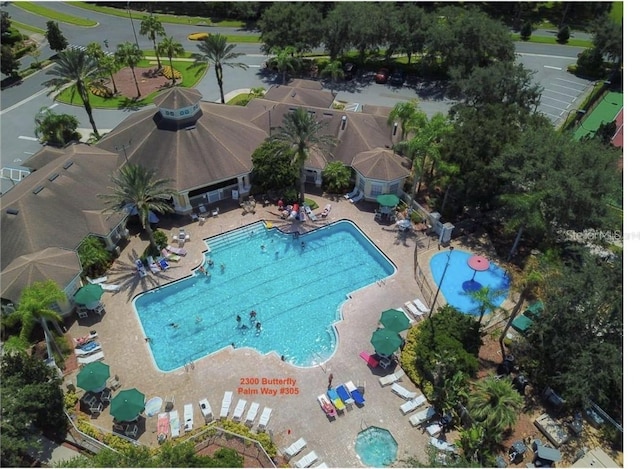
{"x": 294, "y": 416}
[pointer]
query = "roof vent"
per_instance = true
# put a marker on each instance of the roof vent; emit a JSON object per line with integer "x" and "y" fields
{"x": 53, "y": 177}
{"x": 293, "y": 95}
{"x": 12, "y": 211}
{"x": 67, "y": 164}
{"x": 38, "y": 189}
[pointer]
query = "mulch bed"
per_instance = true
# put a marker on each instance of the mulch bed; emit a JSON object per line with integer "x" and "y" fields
{"x": 149, "y": 80}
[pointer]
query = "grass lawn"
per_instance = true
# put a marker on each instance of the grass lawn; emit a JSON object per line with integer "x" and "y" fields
{"x": 54, "y": 15}
{"x": 241, "y": 99}
{"x": 26, "y": 27}
{"x": 616, "y": 12}
{"x": 552, "y": 40}
{"x": 190, "y": 78}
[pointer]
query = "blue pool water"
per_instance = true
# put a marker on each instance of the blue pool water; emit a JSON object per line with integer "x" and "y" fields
{"x": 459, "y": 272}
{"x": 295, "y": 285}
{"x": 376, "y": 447}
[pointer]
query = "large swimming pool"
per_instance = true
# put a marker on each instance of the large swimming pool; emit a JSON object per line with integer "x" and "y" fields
{"x": 296, "y": 286}
{"x": 459, "y": 272}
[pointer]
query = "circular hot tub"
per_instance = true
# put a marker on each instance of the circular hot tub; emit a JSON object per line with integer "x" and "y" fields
{"x": 376, "y": 447}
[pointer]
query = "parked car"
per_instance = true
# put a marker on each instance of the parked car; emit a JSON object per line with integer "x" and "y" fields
{"x": 382, "y": 76}
{"x": 397, "y": 78}
{"x": 349, "y": 70}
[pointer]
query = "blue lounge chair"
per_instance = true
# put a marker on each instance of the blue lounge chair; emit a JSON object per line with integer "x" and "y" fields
{"x": 344, "y": 395}
{"x": 335, "y": 399}
{"x": 355, "y": 393}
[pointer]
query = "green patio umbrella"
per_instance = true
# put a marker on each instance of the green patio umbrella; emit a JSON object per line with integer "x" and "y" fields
{"x": 126, "y": 405}
{"x": 385, "y": 341}
{"x": 93, "y": 376}
{"x": 394, "y": 320}
{"x": 88, "y": 294}
{"x": 388, "y": 200}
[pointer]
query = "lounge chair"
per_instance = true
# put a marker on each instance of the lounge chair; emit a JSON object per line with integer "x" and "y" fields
{"x": 357, "y": 198}
{"x": 195, "y": 217}
{"x": 327, "y": 406}
{"x": 203, "y": 210}
{"x": 142, "y": 271}
{"x": 239, "y": 410}
{"x": 310, "y": 213}
{"x": 178, "y": 251}
{"x": 421, "y": 307}
{"x": 403, "y": 392}
{"x": 114, "y": 383}
{"x": 170, "y": 256}
{"x": 434, "y": 429}
{"x": 252, "y": 414}
{"x": 87, "y": 349}
{"x": 371, "y": 361}
{"x": 205, "y": 408}
{"x": 392, "y": 378}
{"x": 413, "y": 404}
{"x": 162, "y": 262}
{"x": 97, "y": 280}
{"x": 86, "y": 339}
{"x": 265, "y": 416}
{"x": 423, "y": 416}
{"x": 94, "y": 357}
{"x": 155, "y": 268}
{"x": 188, "y": 417}
{"x": 409, "y": 306}
{"x": 174, "y": 423}
{"x": 355, "y": 393}
{"x": 214, "y": 213}
{"x": 295, "y": 448}
{"x": 226, "y": 404}
{"x": 307, "y": 460}
{"x": 442, "y": 445}
{"x": 163, "y": 426}
{"x": 353, "y": 193}
{"x": 326, "y": 211}
{"x": 335, "y": 400}
{"x": 344, "y": 394}
{"x": 110, "y": 287}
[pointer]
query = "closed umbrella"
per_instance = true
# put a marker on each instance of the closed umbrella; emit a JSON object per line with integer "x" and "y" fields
{"x": 127, "y": 405}
{"x": 394, "y": 320}
{"x": 388, "y": 200}
{"x": 386, "y": 341}
{"x": 93, "y": 376}
{"x": 88, "y": 294}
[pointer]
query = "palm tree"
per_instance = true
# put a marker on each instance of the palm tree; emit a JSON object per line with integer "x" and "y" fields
{"x": 301, "y": 132}
{"x": 78, "y": 67}
{"x": 335, "y": 71}
{"x": 151, "y": 27}
{"x": 171, "y": 48}
{"x": 129, "y": 54}
{"x": 106, "y": 62}
{"x": 285, "y": 60}
{"x": 495, "y": 404}
{"x": 215, "y": 49}
{"x": 56, "y": 129}
{"x": 404, "y": 112}
{"x": 487, "y": 299}
{"x": 35, "y": 307}
{"x": 136, "y": 187}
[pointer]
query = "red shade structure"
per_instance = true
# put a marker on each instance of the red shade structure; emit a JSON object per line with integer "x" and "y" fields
{"x": 478, "y": 264}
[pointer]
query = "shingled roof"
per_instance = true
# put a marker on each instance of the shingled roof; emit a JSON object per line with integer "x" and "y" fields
{"x": 381, "y": 164}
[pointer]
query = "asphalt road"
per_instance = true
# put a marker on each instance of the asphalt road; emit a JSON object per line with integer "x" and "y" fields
{"x": 21, "y": 103}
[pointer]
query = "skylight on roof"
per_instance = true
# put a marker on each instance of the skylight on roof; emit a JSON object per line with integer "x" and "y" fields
{"x": 12, "y": 211}
{"x": 67, "y": 164}
{"x": 53, "y": 177}
{"x": 38, "y": 189}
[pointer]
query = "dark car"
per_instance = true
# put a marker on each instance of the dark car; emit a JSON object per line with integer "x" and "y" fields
{"x": 350, "y": 70}
{"x": 396, "y": 78}
{"x": 382, "y": 76}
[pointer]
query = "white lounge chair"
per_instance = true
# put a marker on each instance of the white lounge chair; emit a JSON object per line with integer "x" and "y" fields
{"x": 178, "y": 251}
{"x": 252, "y": 414}
{"x": 226, "y": 404}
{"x": 110, "y": 287}
{"x": 409, "y": 306}
{"x": 307, "y": 460}
{"x": 264, "y": 418}
{"x": 421, "y": 307}
{"x": 403, "y": 392}
{"x": 188, "y": 417}
{"x": 422, "y": 416}
{"x": 295, "y": 448}
{"x": 239, "y": 410}
{"x": 170, "y": 256}
{"x": 94, "y": 357}
{"x": 142, "y": 271}
{"x": 327, "y": 210}
{"x": 155, "y": 268}
{"x": 353, "y": 193}
{"x": 413, "y": 404}
{"x": 392, "y": 378}
{"x": 434, "y": 429}
{"x": 174, "y": 423}
{"x": 205, "y": 408}
{"x": 357, "y": 198}
{"x": 87, "y": 349}
{"x": 310, "y": 213}
{"x": 443, "y": 445}
{"x": 214, "y": 213}
{"x": 97, "y": 280}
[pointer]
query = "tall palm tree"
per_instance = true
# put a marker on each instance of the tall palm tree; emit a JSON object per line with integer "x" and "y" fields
{"x": 136, "y": 187}
{"x": 171, "y": 48}
{"x": 284, "y": 60}
{"x": 106, "y": 62}
{"x": 301, "y": 132}
{"x": 334, "y": 71}
{"x": 487, "y": 300}
{"x": 129, "y": 54}
{"x": 56, "y": 129}
{"x": 74, "y": 65}
{"x": 216, "y": 50}
{"x": 404, "y": 112}
{"x": 495, "y": 404}
{"x": 151, "y": 27}
{"x": 35, "y": 308}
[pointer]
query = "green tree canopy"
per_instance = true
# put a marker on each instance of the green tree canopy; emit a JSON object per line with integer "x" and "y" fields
{"x": 495, "y": 405}
{"x": 336, "y": 176}
{"x": 152, "y": 28}
{"x": 57, "y": 41}
{"x": 171, "y": 48}
{"x": 296, "y": 24}
{"x": 9, "y": 64}
{"x": 56, "y": 129}
{"x": 272, "y": 169}
{"x": 129, "y": 54}
{"x": 608, "y": 38}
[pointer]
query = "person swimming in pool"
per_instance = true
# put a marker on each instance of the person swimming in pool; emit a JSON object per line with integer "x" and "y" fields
{"x": 252, "y": 314}
{"x": 258, "y": 326}
{"x": 174, "y": 325}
